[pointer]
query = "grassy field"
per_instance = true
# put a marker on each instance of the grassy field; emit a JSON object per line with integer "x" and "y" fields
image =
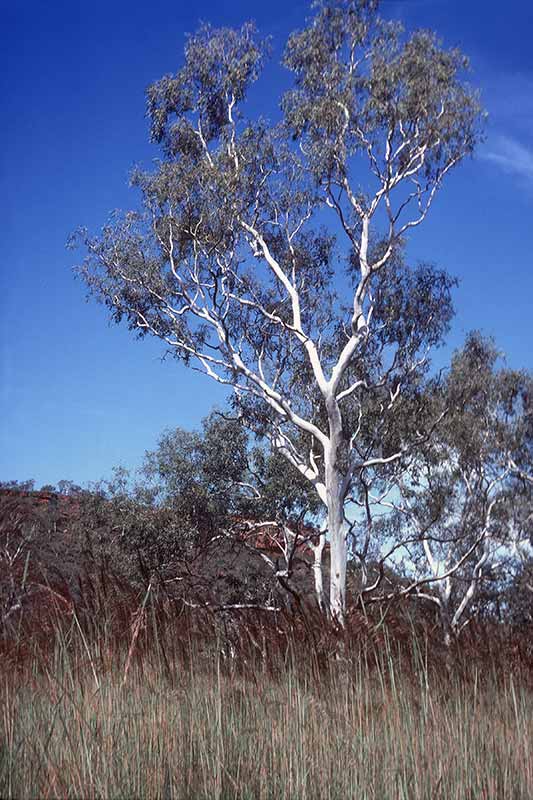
{"x": 169, "y": 709}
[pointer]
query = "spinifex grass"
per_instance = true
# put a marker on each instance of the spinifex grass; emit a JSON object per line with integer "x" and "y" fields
{"x": 184, "y": 722}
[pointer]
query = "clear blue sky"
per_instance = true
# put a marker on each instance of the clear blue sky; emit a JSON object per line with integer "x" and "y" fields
{"x": 78, "y": 396}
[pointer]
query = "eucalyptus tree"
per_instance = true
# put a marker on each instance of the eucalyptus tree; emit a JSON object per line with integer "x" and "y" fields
{"x": 269, "y": 256}
{"x": 227, "y": 489}
{"x": 461, "y": 518}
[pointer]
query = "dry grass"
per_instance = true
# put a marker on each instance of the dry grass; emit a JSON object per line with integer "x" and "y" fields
{"x": 285, "y": 717}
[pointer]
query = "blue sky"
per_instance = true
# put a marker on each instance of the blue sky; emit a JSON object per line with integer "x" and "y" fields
{"x": 78, "y": 396}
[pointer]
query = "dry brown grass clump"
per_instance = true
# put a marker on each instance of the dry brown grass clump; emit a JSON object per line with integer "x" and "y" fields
{"x": 134, "y": 696}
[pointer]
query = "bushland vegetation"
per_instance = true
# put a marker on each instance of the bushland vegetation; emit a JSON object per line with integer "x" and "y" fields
{"x": 327, "y": 591}
{"x": 149, "y": 650}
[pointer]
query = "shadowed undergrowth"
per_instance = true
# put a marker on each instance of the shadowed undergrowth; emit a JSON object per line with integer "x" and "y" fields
{"x": 140, "y": 698}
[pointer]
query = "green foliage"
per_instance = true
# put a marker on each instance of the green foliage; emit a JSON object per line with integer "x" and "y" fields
{"x": 218, "y": 63}
{"x": 358, "y": 84}
{"x": 220, "y": 472}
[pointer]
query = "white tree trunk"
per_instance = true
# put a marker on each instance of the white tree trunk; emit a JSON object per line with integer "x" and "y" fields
{"x": 446, "y": 622}
{"x": 338, "y": 546}
{"x": 337, "y": 529}
{"x": 318, "y": 550}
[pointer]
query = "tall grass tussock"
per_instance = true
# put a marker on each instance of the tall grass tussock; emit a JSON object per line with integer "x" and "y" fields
{"x": 118, "y": 695}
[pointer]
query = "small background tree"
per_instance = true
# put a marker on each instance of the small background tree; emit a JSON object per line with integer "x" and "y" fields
{"x": 460, "y": 513}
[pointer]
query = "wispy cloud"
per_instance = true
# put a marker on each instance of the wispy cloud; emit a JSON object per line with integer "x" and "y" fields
{"x": 510, "y": 155}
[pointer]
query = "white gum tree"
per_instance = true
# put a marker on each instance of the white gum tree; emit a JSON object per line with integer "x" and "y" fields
{"x": 269, "y": 256}
{"x": 461, "y": 513}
